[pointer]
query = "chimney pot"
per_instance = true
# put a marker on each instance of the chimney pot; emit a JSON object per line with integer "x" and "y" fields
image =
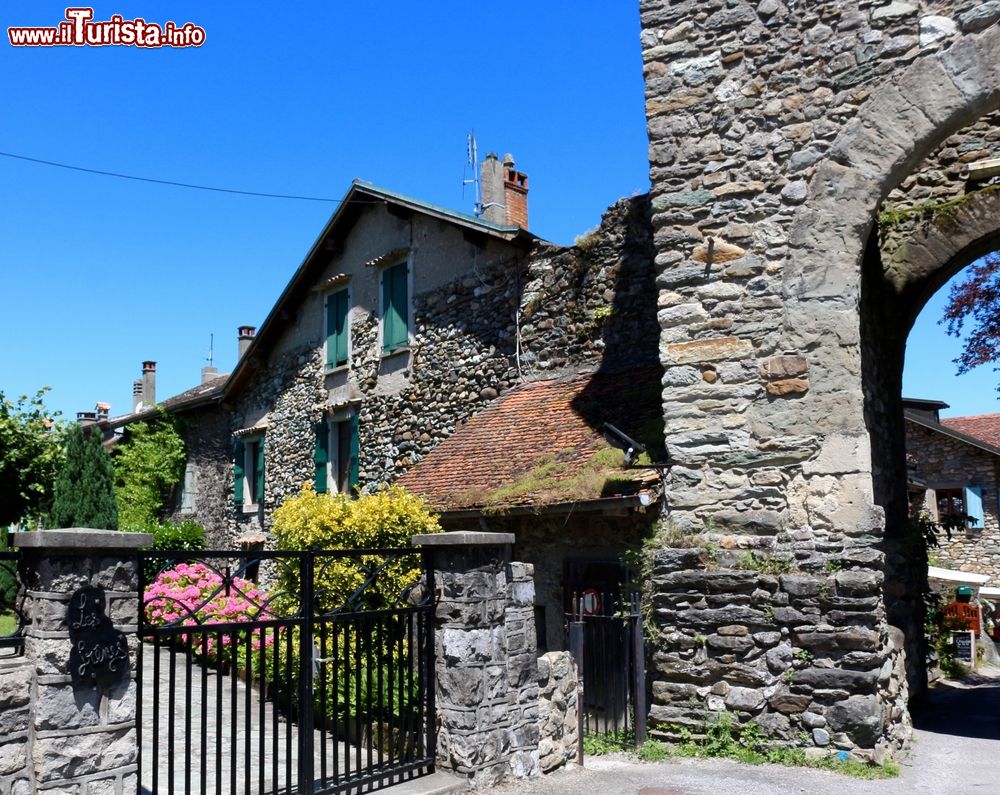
{"x": 103, "y": 410}
{"x": 136, "y": 394}
{"x": 246, "y": 336}
{"x": 515, "y": 192}
{"x": 149, "y": 383}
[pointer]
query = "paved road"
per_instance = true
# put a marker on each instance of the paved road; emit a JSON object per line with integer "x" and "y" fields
{"x": 956, "y": 751}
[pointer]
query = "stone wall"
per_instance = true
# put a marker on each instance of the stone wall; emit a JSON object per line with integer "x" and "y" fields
{"x": 558, "y": 705}
{"x": 16, "y": 768}
{"x": 487, "y": 675}
{"x": 943, "y": 462}
{"x": 776, "y": 130}
{"x": 800, "y": 654}
{"x": 62, "y": 734}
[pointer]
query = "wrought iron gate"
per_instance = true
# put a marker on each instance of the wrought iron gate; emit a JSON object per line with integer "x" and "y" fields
{"x": 606, "y": 640}
{"x": 285, "y": 672}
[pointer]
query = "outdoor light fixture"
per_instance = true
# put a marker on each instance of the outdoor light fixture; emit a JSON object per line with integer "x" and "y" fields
{"x": 622, "y": 441}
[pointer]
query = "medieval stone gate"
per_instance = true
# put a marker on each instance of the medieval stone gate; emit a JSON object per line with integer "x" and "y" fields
{"x": 788, "y": 589}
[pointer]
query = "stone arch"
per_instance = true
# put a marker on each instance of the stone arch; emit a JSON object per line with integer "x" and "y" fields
{"x": 895, "y": 129}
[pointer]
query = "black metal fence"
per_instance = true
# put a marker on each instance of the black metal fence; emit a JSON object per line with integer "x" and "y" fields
{"x": 605, "y": 636}
{"x": 11, "y": 617}
{"x": 285, "y": 672}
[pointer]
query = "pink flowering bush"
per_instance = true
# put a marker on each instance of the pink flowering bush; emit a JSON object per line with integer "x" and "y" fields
{"x": 193, "y": 594}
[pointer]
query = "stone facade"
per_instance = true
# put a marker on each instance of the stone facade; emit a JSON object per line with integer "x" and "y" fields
{"x": 776, "y": 132}
{"x": 945, "y": 462}
{"x": 62, "y": 736}
{"x": 502, "y": 317}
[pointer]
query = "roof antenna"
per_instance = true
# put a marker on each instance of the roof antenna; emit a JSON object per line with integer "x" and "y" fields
{"x": 211, "y": 348}
{"x": 472, "y": 160}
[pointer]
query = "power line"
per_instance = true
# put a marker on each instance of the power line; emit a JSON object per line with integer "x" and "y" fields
{"x": 166, "y": 181}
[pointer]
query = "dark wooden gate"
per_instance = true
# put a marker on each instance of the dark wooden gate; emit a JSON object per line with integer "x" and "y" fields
{"x": 606, "y": 640}
{"x": 284, "y": 672}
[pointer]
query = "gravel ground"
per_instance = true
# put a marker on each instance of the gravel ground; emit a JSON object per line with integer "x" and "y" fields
{"x": 956, "y": 749}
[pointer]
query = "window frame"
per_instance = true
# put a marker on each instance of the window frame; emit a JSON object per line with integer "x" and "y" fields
{"x": 251, "y": 471}
{"x": 328, "y": 460}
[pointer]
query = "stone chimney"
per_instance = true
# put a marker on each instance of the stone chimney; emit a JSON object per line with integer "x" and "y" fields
{"x": 208, "y": 373}
{"x": 149, "y": 383}
{"x": 103, "y": 410}
{"x": 86, "y": 418}
{"x": 246, "y": 335}
{"x": 136, "y": 394}
{"x": 505, "y": 192}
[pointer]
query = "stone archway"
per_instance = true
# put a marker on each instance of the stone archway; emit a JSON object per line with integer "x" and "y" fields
{"x": 769, "y": 164}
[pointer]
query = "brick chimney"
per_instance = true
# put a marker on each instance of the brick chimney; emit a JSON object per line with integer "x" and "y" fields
{"x": 149, "y": 383}
{"x": 136, "y": 394}
{"x": 505, "y": 192}
{"x": 515, "y": 192}
{"x": 246, "y": 335}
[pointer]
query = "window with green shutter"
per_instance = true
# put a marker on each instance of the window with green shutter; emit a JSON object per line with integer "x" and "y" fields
{"x": 248, "y": 471}
{"x": 395, "y": 307}
{"x": 336, "y": 455}
{"x": 321, "y": 456}
{"x": 239, "y": 459}
{"x": 337, "y": 328}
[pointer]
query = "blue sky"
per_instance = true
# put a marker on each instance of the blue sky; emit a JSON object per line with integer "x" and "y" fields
{"x": 98, "y": 274}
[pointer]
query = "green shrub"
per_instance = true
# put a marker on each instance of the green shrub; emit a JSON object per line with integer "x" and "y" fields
{"x": 148, "y": 464}
{"x": 187, "y": 536}
{"x": 8, "y": 579}
{"x": 84, "y": 491}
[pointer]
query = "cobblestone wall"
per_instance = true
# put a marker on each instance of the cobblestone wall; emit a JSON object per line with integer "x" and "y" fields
{"x": 16, "y": 769}
{"x": 558, "y": 705}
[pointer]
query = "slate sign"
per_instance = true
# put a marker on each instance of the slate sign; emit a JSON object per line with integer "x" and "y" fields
{"x": 99, "y": 652}
{"x": 965, "y": 648}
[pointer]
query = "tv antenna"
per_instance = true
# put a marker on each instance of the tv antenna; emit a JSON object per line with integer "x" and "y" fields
{"x": 472, "y": 160}
{"x": 211, "y": 349}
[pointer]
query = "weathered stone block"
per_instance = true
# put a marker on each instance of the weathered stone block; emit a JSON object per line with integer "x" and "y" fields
{"x": 710, "y": 350}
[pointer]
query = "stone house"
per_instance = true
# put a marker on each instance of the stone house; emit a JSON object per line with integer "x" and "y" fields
{"x": 955, "y": 469}
{"x": 403, "y": 321}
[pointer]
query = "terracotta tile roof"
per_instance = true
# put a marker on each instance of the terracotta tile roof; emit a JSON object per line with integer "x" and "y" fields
{"x": 985, "y": 427}
{"x": 541, "y": 444}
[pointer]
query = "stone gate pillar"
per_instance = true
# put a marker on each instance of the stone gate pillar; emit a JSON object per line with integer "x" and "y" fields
{"x": 486, "y": 666}
{"x": 80, "y": 591}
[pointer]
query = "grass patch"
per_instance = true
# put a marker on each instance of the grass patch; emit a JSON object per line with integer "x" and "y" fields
{"x": 8, "y": 623}
{"x": 764, "y": 564}
{"x": 559, "y": 477}
{"x": 608, "y": 743}
{"x": 724, "y": 739}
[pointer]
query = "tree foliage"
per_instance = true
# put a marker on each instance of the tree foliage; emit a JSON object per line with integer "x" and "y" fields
{"x": 30, "y": 454}
{"x": 84, "y": 492}
{"x": 976, "y": 300}
{"x": 149, "y": 463}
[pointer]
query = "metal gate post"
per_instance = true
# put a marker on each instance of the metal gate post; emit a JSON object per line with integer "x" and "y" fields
{"x": 639, "y": 677}
{"x": 576, "y": 650}
{"x": 431, "y": 683}
{"x": 307, "y": 664}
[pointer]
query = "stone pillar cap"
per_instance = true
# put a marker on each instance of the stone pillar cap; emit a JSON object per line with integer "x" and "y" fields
{"x": 81, "y": 539}
{"x": 462, "y": 538}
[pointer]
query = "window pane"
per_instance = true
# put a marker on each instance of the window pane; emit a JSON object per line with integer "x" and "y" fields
{"x": 344, "y": 457}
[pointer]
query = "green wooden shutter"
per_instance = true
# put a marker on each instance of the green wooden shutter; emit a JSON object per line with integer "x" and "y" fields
{"x": 336, "y": 328}
{"x": 238, "y": 453}
{"x": 260, "y": 471}
{"x": 395, "y": 307}
{"x": 355, "y": 454}
{"x": 321, "y": 456}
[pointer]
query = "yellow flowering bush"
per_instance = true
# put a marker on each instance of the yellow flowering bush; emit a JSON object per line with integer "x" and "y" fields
{"x": 387, "y": 519}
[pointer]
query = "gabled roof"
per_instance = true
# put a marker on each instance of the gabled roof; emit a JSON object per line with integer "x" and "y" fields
{"x": 985, "y": 427}
{"x": 541, "y": 445}
{"x": 951, "y": 432}
{"x": 192, "y": 398}
{"x": 361, "y": 194}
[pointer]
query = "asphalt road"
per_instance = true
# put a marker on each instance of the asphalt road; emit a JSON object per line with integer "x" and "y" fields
{"x": 956, "y": 751}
